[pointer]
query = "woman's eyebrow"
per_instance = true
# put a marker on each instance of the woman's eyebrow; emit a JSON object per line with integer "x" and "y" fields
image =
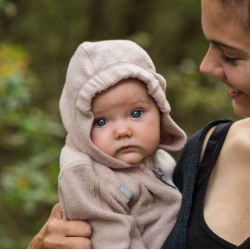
{"x": 215, "y": 42}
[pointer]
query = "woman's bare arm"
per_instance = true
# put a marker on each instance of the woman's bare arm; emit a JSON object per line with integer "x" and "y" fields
{"x": 57, "y": 233}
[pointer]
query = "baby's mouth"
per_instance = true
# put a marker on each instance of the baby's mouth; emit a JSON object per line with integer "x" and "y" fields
{"x": 127, "y": 148}
{"x": 231, "y": 89}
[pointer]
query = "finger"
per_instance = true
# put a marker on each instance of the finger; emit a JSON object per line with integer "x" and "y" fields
{"x": 76, "y": 229}
{"x": 68, "y": 228}
{"x": 57, "y": 212}
{"x": 67, "y": 243}
{"x": 77, "y": 243}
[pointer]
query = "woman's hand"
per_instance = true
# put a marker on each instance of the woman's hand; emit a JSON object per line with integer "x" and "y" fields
{"x": 57, "y": 233}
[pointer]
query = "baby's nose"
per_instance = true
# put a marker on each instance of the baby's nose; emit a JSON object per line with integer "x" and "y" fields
{"x": 122, "y": 131}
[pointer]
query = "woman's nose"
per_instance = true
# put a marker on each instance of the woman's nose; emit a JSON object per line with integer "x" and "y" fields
{"x": 211, "y": 63}
{"x": 122, "y": 131}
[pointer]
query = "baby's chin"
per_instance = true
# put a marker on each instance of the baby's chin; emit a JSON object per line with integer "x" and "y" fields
{"x": 131, "y": 158}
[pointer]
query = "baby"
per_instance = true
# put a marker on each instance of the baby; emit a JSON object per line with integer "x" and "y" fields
{"x": 115, "y": 172}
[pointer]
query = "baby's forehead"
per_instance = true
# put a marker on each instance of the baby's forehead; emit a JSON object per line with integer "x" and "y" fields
{"x": 128, "y": 91}
{"x": 125, "y": 87}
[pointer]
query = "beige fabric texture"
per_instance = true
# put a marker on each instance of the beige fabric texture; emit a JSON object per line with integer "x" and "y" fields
{"x": 127, "y": 206}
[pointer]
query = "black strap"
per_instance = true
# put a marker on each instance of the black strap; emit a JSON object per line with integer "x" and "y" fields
{"x": 212, "y": 152}
{"x": 245, "y": 244}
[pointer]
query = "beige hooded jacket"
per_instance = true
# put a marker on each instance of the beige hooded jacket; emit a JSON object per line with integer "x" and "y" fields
{"x": 126, "y": 204}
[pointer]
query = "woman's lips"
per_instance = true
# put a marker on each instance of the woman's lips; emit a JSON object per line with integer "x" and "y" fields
{"x": 232, "y": 89}
{"x": 233, "y": 92}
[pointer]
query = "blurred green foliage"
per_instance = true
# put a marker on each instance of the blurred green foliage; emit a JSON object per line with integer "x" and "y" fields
{"x": 37, "y": 39}
{"x": 29, "y": 145}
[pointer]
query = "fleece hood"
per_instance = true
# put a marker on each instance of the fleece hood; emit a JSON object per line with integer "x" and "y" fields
{"x": 97, "y": 66}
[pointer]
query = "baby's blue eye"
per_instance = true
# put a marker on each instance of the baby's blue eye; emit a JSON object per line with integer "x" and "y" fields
{"x": 101, "y": 122}
{"x": 136, "y": 114}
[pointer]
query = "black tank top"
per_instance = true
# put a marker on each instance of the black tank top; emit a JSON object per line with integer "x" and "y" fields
{"x": 199, "y": 235}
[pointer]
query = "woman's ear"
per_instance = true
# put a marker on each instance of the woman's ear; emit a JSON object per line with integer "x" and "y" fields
{"x": 166, "y": 138}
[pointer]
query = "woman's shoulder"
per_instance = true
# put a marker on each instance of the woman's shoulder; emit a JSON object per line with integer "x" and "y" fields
{"x": 192, "y": 153}
{"x": 239, "y": 135}
{"x": 201, "y": 137}
{"x": 197, "y": 142}
{"x": 237, "y": 138}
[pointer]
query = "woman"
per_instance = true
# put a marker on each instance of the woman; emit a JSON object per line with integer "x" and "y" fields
{"x": 212, "y": 172}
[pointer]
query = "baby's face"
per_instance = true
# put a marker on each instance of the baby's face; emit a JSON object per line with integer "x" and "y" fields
{"x": 127, "y": 122}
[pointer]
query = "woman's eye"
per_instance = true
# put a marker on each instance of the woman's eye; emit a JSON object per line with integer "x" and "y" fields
{"x": 227, "y": 59}
{"x": 136, "y": 114}
{"x": 101, "y": 122}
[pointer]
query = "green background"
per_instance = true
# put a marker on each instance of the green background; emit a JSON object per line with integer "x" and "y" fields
{"x": 37, "y": 40}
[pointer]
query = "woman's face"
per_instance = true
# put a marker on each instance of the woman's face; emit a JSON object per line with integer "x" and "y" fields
{"x": 228, "y": 56}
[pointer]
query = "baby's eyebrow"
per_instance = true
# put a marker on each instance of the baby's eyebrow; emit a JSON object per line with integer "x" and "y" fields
{"x": 140, "y": 101}
{"x": 98, "y": 111}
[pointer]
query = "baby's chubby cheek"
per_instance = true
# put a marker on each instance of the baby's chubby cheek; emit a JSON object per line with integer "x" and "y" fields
{"x": 151, "y": 133}
{"x": 151, "y": 136}
{"x": 101, "y": 141}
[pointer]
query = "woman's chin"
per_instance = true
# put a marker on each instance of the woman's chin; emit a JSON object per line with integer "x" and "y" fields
{"x": 241, "y": 110}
